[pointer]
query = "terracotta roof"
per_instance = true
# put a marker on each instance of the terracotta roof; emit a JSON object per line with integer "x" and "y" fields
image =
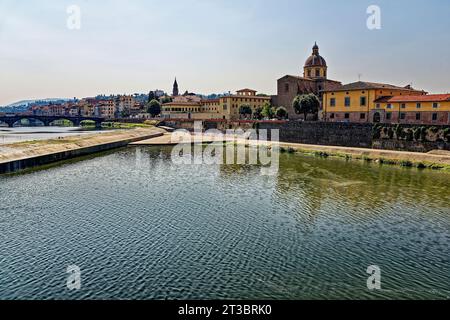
{"x": 362, "y": 85}
{"x": 415, "y": 98}
{"x": 210, "y": 100}
{"x": 246, "y": 90}
{"x": 195, "y": 104}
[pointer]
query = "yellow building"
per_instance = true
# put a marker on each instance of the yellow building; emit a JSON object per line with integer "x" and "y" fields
{"x": 356, "y": 102}
{"x": 422, "y": 109}
{"x": 226, "y": 107}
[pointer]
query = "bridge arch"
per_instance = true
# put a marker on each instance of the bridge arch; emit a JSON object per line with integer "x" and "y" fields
{"x": 74, "y": 122}
{"x": 16, "y": 120}
{"x": 12, "y": 120}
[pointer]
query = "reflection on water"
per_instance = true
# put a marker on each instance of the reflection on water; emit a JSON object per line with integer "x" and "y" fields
{"x": 141, "y": 227}
{"x": 17, "y": 134}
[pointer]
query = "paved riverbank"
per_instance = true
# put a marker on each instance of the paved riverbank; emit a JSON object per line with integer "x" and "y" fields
{"x": 18, "y": 156}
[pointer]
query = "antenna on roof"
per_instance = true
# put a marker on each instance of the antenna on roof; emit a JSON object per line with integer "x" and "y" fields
{"x": 359, "y": 76}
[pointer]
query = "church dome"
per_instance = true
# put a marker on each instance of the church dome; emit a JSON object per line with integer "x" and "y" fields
{"x": 315, "y": 60}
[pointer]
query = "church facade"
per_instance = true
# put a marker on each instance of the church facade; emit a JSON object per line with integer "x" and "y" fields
{"x": 314, "y": 80}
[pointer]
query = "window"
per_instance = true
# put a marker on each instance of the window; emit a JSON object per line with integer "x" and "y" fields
{"x": 332, "y": 116}
{"x": 389, "y": 116}
{"x": 434, "y": 116}
{"x": 402, "y": 116}
{"x": 286, "y": 87}
{"x": 378, "y": 106}
{"x": 418, "y": 105}
{"x": 363, "y": 101}
{"x": 347, "y": 116}
{"x": 309, "y": 73}
{"x": 317, "y": 72}
{"x": 347, "y": 101}
{"x": 362, "y": 116}
{"x": 418, "y": 116}
{"x": 435, "y": 105}
{"x": 333, "y": 102}
{"x": 403, "y": 105}
{"x": 389, "y": 106}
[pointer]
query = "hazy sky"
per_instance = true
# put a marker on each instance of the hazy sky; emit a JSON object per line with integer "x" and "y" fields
{"x": 215, "y": 46}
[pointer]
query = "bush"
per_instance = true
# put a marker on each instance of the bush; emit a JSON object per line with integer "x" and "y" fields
{"x": 376, "y": 131}
{"x": 434, "y": 129}
{"x": 391, "y": 133}
{"x": 409, "y": 135}
{"x": 417, "y": 134}
{"x": 406, "y": 163}
{"x": 291, "y": 150}
{"x": 398, "y": 132}
{"x": 421, "y": 165}
{"x": 321, "y": 154}
{"x": 447, "y": 134}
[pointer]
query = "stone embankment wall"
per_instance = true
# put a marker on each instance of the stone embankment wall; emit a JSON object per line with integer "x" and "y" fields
{"x": 415, "y": 138}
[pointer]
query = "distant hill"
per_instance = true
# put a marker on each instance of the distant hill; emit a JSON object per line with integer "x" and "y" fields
{"x": 22, "y": 106}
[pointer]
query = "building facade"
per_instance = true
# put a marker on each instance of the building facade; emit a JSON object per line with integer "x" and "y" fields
{"x": 356, "y": 102}
{"x": 422, "y": 109}
{"x": 225, "y": 108}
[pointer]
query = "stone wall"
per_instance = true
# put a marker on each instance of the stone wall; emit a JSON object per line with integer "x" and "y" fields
{"x": 324, "y": 133}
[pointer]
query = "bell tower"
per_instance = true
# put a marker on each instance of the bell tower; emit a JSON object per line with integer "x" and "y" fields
{"x": 175, "y": 91}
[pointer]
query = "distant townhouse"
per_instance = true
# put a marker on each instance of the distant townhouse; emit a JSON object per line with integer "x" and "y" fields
{"x": 226, "y": 107}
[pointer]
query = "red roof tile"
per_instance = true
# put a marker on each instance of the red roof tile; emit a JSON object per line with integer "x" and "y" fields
{"x": 414, "y": 98}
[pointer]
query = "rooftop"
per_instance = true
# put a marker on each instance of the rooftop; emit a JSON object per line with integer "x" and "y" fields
{"x": 362, "y": 85}
{"x": 415, "y": 98}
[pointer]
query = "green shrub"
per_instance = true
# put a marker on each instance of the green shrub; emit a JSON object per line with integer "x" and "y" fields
{"x": 421, "y": 165}
{"x": 321, "y": 154}
{"x": 416, "y": 134}
{"x": 398, "y": 132}
{"x": 376, "y": 131}
{"x": 447, "y": 134}
{"x": 406, "y": 163}
{"x": 291, "y": 150}
{"x": 391, "y": 133}
{"x": 409, "y": 135}
{"x": 434, "y": 129}
{"x": 387, "y": 161}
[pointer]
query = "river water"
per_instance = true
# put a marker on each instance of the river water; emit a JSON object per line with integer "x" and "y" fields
{"x": 140, "y": 227}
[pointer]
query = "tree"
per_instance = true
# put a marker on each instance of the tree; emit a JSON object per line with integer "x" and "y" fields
{"x": 154, "y": 108}
{"x": 306, "y": 104}
{"x": 257, "y": 115}
{"x": 151, "y": 96}
{"x": 245, "y": 110}
{"x": 166, "y": 99}
{"x": 281, "y": 113}
{"x": 125, "y": 113}
{"x": 267, "y": 111}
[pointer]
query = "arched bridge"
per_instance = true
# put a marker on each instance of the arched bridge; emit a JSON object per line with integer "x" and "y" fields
{"x": 47, "y": 120}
